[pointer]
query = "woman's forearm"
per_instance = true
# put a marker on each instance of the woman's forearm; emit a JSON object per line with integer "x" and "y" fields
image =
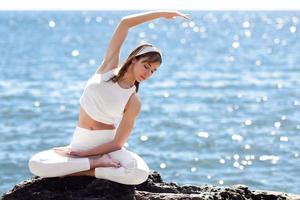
{"x": 103, "y": 149}
{"x": 135, "y": 19}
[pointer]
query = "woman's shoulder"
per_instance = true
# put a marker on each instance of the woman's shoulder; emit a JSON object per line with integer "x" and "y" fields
{"x": 103, "y": 69}
{"x": 134, "y": 103}
{"x": 106, "y": 71}
{"x": 106, "y": 74}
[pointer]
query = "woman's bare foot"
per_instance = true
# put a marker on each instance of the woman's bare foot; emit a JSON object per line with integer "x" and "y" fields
{"x": 104, "y": 161}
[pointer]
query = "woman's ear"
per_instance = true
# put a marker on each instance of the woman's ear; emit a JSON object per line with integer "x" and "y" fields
{"x": 134, "y": 60}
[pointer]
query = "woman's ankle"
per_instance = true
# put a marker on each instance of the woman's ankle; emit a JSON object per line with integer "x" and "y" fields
{"x": 92, "y": 163}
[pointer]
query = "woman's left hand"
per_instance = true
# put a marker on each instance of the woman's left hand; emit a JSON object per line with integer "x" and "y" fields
{"x": 67, "y": 151}
{"x": 174, "y": 14}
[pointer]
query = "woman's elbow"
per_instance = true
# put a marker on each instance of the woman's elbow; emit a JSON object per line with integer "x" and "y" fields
{"x": 125, "y": 23}
{"x": 117, "y": 146}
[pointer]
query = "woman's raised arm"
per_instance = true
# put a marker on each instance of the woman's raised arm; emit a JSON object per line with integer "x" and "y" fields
{"x": 111, "y": 58}
{"x": 135, "y": 19}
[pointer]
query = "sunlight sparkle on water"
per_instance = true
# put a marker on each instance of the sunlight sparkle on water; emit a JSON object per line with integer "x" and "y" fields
{"x": 151, "y": 25}
{"x": 163, "y": 165}
{"x": 293, "y": 29}
{"x": 272, "y": 158}
{"x": 247, "y": 33}
{"x": 258, "y": 62}
{"x": 98, "y": 19}
{"x": 284, "y": 139}
{"x": 235, "y": 45}
{"x": 193, "y": 169}
{"x": 236, "y": 157}
{"x": 143, "y": 138}
{"x": 222, "y": 161}
{"x": 75, "y": 52}
{"x": 87, "y": 20}
{"x": 236, "y": 164}
{"x": 92, "y": 61}
{"x": 246, "y": 24}
{"x": 51, "y": 24}
{"x": 236, "y": 137}
{"x": 277, "y": 124}
{"x": 36, "y": 104}
{"x": 62, "y": 108}
{"x": 248, "y": 122}
{"x": 203, "y": 134}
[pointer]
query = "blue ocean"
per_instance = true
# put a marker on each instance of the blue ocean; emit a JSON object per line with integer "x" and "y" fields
{"x": 223, "y": 108}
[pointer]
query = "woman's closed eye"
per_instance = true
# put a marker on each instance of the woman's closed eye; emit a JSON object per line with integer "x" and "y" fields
{"x": 148, "y": 68}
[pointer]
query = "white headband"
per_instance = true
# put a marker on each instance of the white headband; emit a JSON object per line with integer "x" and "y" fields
{"x": 149, "y": 49}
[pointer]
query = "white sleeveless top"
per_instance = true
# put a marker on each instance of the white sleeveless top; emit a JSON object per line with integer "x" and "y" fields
{"x": 105, "y": 101}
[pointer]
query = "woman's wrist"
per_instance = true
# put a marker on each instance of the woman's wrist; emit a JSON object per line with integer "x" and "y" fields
{"x": 88, "y": 153}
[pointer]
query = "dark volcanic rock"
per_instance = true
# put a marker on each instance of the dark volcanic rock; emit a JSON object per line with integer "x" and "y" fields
{"x": 90, "y": 188}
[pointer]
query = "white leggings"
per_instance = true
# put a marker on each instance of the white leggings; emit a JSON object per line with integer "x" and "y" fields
{"x": 48, "y": 163}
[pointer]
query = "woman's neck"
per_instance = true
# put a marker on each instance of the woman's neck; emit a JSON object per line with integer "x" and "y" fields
{"x": 128, "y": 78}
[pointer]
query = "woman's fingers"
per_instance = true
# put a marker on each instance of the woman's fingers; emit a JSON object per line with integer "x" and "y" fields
{"x": 75, "y": 153}
{"x": 186, "y": 16}
{"x": 67, "y": 151}
{"x": 62, "y": 150}
{"x": 174, "y": 14}
{"x": 57, "y": 149}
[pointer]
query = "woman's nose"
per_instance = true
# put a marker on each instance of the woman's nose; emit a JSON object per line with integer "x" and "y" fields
{"x": 148, "y": 73}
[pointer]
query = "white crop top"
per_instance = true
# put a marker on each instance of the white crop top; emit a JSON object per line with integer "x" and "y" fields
{"x": 105, "y": 101}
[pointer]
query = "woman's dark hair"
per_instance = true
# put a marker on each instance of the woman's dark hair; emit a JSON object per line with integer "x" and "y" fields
{"x": 149, "y": 57}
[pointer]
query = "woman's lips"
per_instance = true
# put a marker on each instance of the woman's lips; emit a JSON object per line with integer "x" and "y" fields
{"x": 142, "y": 78}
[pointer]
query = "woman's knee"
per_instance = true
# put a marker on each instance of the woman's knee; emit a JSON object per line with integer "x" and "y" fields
{"x": 128, "y": 175}
{"x": 37, "y": 168}
{"x": 138, "y": 176}
{"x": 134, "y": 169}
{"x": 139, "y": 172}
{"x": 43, "y": 169}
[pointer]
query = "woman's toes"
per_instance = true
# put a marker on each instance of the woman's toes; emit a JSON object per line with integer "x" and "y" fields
{"x": 116, "y": 164}
{"x": 106, "y": 161}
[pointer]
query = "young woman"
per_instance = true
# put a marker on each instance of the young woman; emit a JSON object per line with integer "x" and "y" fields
{"x": 109, "y": 98}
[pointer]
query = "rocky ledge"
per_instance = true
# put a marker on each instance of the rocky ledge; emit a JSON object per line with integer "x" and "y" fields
{"x": 90, "y": 188}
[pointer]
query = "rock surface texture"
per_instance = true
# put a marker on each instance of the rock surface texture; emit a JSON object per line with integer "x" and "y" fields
{"x": 90, "y": 188}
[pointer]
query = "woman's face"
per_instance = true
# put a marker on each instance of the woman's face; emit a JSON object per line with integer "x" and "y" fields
{"x": 144, "y": 70}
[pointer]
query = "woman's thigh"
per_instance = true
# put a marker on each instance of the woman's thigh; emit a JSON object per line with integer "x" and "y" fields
{"x": 50, "y": 164}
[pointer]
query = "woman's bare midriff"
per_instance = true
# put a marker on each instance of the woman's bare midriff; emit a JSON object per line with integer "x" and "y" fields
{"x": 85, "y": 121}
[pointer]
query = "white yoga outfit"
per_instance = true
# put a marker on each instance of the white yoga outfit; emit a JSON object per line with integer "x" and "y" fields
{"x": 105, "y": 102}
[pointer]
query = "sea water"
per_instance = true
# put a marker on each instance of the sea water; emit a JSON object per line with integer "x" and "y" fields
{"x": 222, "y": 109}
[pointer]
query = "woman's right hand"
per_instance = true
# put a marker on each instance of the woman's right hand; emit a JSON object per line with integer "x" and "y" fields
{"x": 174, "y": 14}
{"x": 67, "y": 151}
